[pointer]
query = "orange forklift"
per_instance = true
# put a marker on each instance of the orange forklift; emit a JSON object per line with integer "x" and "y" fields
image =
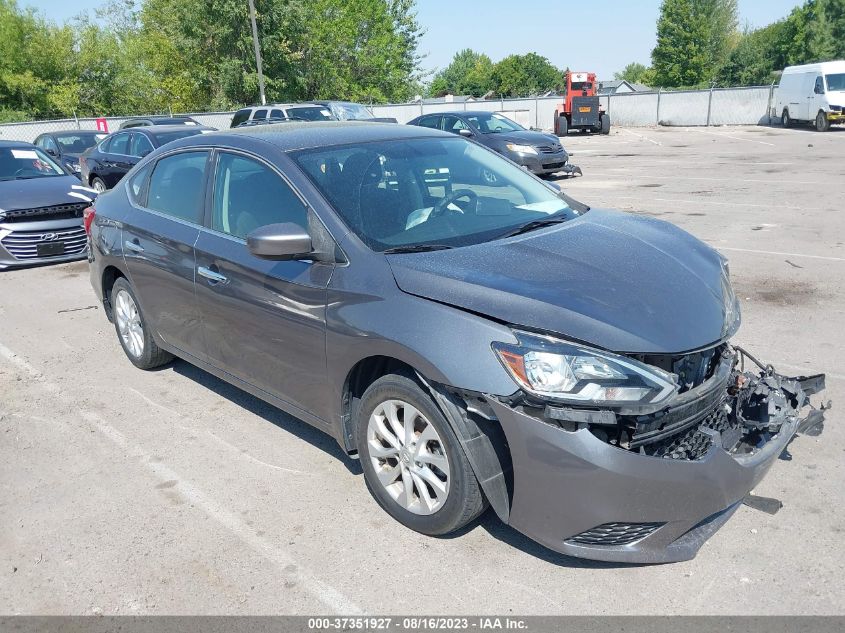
{"x": 580, "y": 108}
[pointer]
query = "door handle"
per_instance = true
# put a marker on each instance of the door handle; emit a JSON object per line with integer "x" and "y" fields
{"x": 212, "y": 276}
{"x": 134, "y": 246}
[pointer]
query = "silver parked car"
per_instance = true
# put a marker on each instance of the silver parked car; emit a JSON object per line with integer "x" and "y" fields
{"x": 473, "y": 341}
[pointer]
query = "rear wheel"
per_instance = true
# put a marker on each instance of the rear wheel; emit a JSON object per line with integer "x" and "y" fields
{"x": 604, "y": 124}
{"x": 822, "y": 124}
{"x": 413, "y": 463}
{"x": 784, "y": 119}
{"x": 98, "y": 184}
{"x": 132, "y": 330}
{"x": 562, "y": 126}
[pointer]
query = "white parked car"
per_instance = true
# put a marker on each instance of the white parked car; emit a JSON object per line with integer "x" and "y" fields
{"x": 813, "y": 93}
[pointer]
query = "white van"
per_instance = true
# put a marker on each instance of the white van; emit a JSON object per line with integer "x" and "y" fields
{"x": 812, "y": 92}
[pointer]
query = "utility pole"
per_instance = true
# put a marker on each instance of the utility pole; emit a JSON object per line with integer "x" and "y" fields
{"x": 257, "y": 47}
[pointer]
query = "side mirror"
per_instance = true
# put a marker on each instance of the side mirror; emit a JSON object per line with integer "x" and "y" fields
{"x": 52, "y": 152}
{"x": 465, "y": 132}
{"x": 280, "y": 242}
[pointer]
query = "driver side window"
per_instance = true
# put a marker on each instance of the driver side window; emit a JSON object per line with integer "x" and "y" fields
{"x": 140, "y": 146}
{"x": 248, "y": 195}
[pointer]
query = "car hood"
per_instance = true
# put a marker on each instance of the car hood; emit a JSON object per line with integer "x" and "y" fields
{"x": 524, "y": 137}
{"x": 614, "y": 280}
{"x": 42, "y": 192}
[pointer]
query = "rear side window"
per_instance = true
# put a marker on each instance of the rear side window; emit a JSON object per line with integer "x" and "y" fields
{"x": 259, "y": 115}
{"x": 277, "y": 114}
{"x": 248, "y": 195}
{"x": 177, "y": 184}
{"x": 430, "y": 121}
{"x": 240, "y": 117}
{"x": 119, "y": 144}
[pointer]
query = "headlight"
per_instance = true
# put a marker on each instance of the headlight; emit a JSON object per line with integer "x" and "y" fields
{"x": 552, "y": 368}
{"x": 74, "y": 167}
{"x": 521, "y": 149}
{"x": 2, "y": 215}
{"x": 730, "y": 304}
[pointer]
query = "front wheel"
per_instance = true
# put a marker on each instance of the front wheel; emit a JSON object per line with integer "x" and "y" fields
{"x": 413, "y": 464}
{"x": 822, "y": 124}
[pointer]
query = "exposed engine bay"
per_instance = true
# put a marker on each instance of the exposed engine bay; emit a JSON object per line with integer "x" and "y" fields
{"x": 719, "y": 400}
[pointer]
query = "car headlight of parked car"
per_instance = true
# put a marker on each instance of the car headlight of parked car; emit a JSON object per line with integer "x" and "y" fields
{"x": 2, "y": 215}
{"x": 521, "y": 149}
{"x": 74, "y": 167}
{"x": 730, "y": 302}
{"x": 552, "y": 368}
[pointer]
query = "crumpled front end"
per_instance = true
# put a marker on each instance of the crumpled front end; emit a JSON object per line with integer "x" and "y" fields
{"x": 648, "y": 486}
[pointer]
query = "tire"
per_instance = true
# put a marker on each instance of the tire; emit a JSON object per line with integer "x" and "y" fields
{"x": 822, "y": 124}
{"x": 131, "y": 328}
{"x": 604, "y": 124}
{"x": 562, "y": 126}
{"x": 784, "y": 119}
{"x": 98, "y": 184}
{"x": 434, "y": 453}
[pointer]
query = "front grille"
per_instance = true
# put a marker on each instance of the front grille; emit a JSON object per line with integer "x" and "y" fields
{"x": 23, "y": 245}
{"x": 549, "y": 149}
{"x": 54, "y": 212}
{"x": 614, "y": 534}
{"x": 693, "y": 443}
{"x": 553, "y": 165}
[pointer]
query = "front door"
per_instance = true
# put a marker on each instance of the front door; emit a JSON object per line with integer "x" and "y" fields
{"x": 264, "y": 321}
{"x": 158, "y": 244}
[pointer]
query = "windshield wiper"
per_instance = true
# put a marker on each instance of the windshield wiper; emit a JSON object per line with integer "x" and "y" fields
{"x": 417, "y": 248}
{"x": 534, "y": 224}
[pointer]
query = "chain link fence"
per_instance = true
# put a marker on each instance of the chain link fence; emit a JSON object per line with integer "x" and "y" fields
{"x": 721, "y": 106}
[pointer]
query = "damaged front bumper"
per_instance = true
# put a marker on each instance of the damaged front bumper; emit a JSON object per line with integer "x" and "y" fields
{"x": 650, "y": 487}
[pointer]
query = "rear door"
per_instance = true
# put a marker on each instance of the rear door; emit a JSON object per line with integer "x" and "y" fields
{"x": 116, "y": 161}
{"x": 264, "y": 321}
{"x": 158, "y": 243}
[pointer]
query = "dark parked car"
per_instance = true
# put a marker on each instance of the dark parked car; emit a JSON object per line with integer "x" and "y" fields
{"x": 349, "y": 111}
{"x": 157, "y": 120}
{"x": 105, "y": 164}
{"x": 66, "y": 146}
{"x": 40, "y": 208}
{"x": 538, "y": 152}
{"x": 472, "y": 344}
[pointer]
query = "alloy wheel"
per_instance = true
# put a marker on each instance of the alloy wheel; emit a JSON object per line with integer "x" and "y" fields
{"x": 408, "y": 457}
{"x": 99, "y": 186}
{"x": 129, "y": 323}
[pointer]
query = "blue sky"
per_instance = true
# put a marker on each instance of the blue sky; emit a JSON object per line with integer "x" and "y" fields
{"x": 600, "y": 37}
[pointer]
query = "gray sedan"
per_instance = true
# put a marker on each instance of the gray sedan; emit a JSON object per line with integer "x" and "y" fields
{"x": 473, "y": 343}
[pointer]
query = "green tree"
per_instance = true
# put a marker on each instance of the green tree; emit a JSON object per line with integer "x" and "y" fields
{"x": 469, "y": 73}
{"x": 525, "y": 75}
{"x": 636, "y": 73}
{"x": 694, "y": 38}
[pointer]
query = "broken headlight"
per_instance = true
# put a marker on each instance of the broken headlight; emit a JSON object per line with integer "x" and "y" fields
{"x": 730, "y": 304}
{"x": 561, "y": 370}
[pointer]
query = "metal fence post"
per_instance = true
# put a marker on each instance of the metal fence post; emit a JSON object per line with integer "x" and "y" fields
{"x": 769, "y": 104}
{"x": 536, "y": 112}
{"x": 422, "y": 111}
{"x": 657, "y": 115}
{"x": 709, "y": 105}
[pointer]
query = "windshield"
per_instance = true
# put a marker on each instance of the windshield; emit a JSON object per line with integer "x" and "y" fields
{"x": 78, "y": 143}
{"x": 581, "y": 85}
{"x": 429, "y": 191}
{"x": 311, "y": 113}
{"x": 351, "y": 112}
{"x": 21, "y": 163}
{"x": 493, "y": 123}
{"x": 835, "y": 82}
{"x": 167, "y": 137}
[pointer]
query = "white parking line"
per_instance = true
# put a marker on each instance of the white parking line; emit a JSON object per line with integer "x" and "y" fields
{"x": 780, "y": 254}
{"x": 737, "y": 138}
{"x": 727, "y": 179}
{"x": 645, "y": 138}
{"x": 716, "y": 202}
{"x": 324, "y": 593}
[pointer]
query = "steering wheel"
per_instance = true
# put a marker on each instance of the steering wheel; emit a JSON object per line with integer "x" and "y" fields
{"x": 441, "y": 207}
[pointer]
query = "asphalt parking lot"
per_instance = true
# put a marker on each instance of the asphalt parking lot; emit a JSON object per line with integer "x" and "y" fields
{"x": 129, "y": 492}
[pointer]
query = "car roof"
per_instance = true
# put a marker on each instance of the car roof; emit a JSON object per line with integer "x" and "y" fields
{"x": 10, "y": 144}
{"x": 308, "y": 134}
{"x": 161, "y": 129}
{"x": 70, "y": 131}
{"x": 159, "y": 118}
